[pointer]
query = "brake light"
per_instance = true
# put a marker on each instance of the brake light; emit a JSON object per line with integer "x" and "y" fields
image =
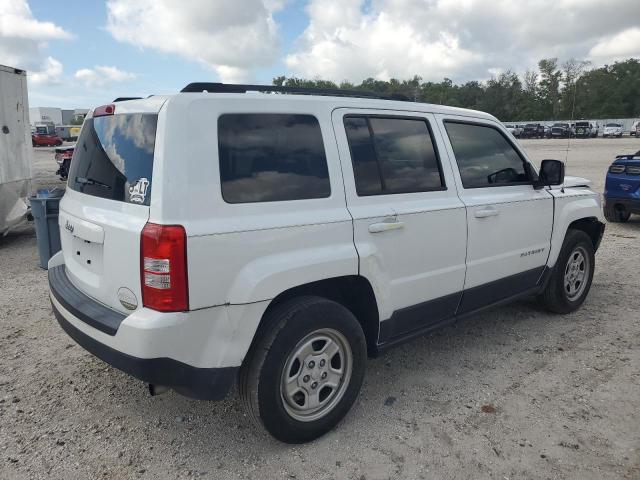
{"x": 163, "y": 268}
{"x": 104, "y": 110}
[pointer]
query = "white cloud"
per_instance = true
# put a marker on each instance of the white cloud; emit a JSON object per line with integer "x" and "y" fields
{"x": 459, "y": 39}
{"x": 102, "y": 75}
{"x": 619, "y": 46}
{"x": 49, "y": 74}
{"x": 23, "y": 39}
{"x": 230, "y": 37}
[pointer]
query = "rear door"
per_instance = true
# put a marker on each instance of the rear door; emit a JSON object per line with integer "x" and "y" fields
{"x": 106, "y": 205}
{"x": 409, "y": 224}
{"x": 509, "y": 222}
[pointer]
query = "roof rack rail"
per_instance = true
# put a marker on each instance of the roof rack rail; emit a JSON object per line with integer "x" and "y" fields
{"x": 333, "y": 92}
{"x": 124, "y": 99}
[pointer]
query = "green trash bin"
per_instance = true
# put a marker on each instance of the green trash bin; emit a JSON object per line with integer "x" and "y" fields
{"x": 45, "y": 208}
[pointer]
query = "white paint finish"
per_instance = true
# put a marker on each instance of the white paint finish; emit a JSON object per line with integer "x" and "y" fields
{"x": 114, "y": 253}
{"x": 504, "y": 223}
{"x": 571, "y": 204}
{"x": 423, "y": 259}
{"x": 250, "y": 266}
{"x": 208, "y": 338}
{"x": 15, "y": 147}
{"x": 252, "y": 251}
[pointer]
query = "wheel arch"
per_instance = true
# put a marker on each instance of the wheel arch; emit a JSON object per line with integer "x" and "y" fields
{"x": 354, "y": 292}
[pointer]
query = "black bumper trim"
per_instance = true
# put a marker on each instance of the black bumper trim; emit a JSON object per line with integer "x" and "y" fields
{"x": 194, "y": 382}
{"x": 82, "y": 306}
{"x": 631, "y": 204}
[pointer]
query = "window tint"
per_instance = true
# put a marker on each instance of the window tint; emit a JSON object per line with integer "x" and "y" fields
{"x": 485, "y": 158}
{"x": 271, "y": 157}
{"x": 113, "y": 158}
{"x": 392, "y": 155}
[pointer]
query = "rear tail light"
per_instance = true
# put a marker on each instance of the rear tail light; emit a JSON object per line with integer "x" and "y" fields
{"x": 163, "y": 268}
{"x": 104, "y": 110}
{"x": 616, "y": 168}
{"x": 633, "y": 170}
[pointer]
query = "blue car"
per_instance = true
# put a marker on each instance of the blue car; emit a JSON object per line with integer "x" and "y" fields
{"x": 622, "y": 188}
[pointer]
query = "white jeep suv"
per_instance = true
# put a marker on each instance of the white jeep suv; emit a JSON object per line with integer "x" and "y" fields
{"x": 273, "y": 237}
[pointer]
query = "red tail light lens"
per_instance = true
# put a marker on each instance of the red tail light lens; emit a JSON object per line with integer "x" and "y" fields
{"x": 163, "y": 268}
{"x": 104, "y": 110}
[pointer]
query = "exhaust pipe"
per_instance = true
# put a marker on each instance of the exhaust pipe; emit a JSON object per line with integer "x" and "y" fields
{"x": 156, "y": 390}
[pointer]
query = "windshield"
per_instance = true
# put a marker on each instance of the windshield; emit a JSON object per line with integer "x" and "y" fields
{"x": 113, "y": 158}
{"x": 613, "y": 125}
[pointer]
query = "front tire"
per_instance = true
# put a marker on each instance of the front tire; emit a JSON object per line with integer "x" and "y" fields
{"x": 306, "y": 370}
{"x": 572, "y": 276}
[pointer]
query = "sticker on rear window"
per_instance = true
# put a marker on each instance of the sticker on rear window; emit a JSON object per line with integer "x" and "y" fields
{"x": 138, "y": 193}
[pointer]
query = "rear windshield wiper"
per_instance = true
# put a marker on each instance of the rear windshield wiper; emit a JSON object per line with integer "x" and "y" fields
{"x": 92, "y": 181}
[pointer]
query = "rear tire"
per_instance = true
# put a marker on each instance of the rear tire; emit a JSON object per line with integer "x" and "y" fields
{"x": 616, "y": 213}
{"x": 304, "y": 373}
{"x": 571, "y": 278}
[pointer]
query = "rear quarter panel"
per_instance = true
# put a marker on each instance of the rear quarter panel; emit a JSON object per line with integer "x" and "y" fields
{"x": 250, "y": 252}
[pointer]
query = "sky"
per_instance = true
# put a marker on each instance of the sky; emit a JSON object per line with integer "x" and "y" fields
{"x": 83, "y": 53}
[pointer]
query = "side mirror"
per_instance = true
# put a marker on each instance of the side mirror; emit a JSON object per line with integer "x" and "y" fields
{"x": 551, "y": 173}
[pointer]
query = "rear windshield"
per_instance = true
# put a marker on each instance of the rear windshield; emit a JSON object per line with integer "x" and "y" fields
{"x": 113, "y": 158}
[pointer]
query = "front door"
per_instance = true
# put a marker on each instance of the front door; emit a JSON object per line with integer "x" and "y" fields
{"x": 409, "y": 224}
{"x": 509, "y": 221}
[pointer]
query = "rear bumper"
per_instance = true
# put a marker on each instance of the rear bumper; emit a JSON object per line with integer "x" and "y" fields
{"x": 630, "y": 204}
{"x": 116, "y": 338}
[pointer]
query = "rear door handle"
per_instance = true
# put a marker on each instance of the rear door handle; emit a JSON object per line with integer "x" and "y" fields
{"x": 487, "y": 212}
{"x": 385, "y": 226}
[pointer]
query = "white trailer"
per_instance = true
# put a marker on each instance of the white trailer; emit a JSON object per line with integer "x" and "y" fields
{"x": 15, "y": 148}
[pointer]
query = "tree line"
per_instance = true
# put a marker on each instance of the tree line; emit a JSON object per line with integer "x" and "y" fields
{"x": 550, "y": 92}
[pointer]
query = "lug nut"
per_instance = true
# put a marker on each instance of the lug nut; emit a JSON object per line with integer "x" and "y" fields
{"x": 305, "y": 379}
{"x": 322, "y": 362}
{"x": 314, "y": 385}
{"x": 324, "y": 375}
{"x": 312, "y": 364}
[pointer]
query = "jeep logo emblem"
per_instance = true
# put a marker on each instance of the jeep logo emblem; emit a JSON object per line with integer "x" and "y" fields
{"x": 69, "y": 226}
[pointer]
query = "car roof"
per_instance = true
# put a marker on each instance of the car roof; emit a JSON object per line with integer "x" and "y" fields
{"x": 155, "y": 103}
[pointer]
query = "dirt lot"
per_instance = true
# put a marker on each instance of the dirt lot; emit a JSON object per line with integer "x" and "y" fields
{"x": 565, "y": 391}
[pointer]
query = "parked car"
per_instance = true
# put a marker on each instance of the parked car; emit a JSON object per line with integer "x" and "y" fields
{"x": 612, "y": 130}
{"x": 533, "y": 130}
{"x": 45, "y": 140}
{"x": 560, "y": 130}
{"x": 586, "y": 130}
{"x": 622, "y": 188}
{"x": 635, "y": 128}
{"x": 63, "y": 158}
{"x": 515, "y": 130}
{"x": 279, "y": 251}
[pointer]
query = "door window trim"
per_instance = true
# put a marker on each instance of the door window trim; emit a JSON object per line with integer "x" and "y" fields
{"x": 434, "y": 144}
{"x": 528, "y": 167}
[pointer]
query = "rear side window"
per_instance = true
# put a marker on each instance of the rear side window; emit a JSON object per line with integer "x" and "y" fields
{"x": 392, "y": 155}
{"x": 271, "y": 157}
{"x": 485, "y": 158}
{"x": 113, "y": 158}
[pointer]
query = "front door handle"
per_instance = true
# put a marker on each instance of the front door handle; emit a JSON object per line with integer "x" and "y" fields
{"x": 487, "y": 212}
{"x": 385, "y": 226}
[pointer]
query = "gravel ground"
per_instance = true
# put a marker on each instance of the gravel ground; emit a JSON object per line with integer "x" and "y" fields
{"x": 514, "y": 392}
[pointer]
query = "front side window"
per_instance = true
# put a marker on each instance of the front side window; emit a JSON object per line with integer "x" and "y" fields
{"x": 392, "y": 155}
{"x": 271, "y": 157}
{"x": 485, "y": 158}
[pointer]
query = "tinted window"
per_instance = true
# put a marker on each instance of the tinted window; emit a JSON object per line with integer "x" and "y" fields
{"x": 271, "y": 157}
{"x": 392, "y": 155}
{"x": 485, "y": 158}
{"x": 113, "y": 158}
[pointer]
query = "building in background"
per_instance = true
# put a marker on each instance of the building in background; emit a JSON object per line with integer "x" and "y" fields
{"x": 38, "y": 115}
